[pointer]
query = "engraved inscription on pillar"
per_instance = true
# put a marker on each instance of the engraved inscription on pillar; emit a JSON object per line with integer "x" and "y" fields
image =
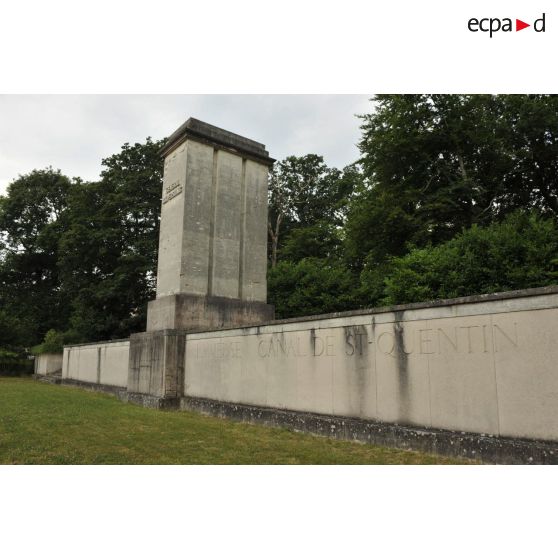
{"x": 172, "y": 191}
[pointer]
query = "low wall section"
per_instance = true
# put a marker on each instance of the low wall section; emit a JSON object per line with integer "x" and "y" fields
{"x": 412, "y": 375}
{"x": 48, "y": 363}
{"x": 485, "y": 364}
{"x": 97, "y": 363}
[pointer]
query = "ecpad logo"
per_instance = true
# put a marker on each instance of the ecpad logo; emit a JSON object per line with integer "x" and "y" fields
{"x": 493, "y": 25}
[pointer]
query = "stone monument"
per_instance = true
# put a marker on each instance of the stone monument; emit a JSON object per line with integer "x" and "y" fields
{"x": 473, "y": 376}
{"x": 212, "y": 250}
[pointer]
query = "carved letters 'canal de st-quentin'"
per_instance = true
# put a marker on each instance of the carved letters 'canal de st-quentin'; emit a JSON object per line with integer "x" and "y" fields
{"x": 357, "y": 339}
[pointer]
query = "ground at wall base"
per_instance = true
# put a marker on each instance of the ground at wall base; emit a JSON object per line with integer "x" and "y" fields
{"x": 51, "y": 424}
{"x": 461, "y": 445}
{"x": 487, "y": 449}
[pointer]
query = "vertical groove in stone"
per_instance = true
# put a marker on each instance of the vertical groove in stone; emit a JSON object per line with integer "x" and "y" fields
{"x": 242, "y": 251}
{"x": 214, "y": 186}
{"x": 183, "y": 272}
{"x": 98, "y": 365}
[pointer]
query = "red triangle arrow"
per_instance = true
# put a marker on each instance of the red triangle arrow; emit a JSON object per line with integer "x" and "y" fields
{"x": 519, "y": 25}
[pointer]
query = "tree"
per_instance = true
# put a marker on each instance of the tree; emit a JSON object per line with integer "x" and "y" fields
{"x": 109, "y": 256}
{"x": 304, "y": 191}
{"x": 33, "y": 218}
{"x": 12, "y": 337}
{"x": 310, "y": 286}
{"x": 437, "y": 164}
{"x": 80, "y": 257}
{"x": 320, "y": 240}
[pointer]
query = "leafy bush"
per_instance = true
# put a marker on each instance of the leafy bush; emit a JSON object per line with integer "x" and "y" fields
{"x": 14, "y": 364}
{"x": 521, "y": 252}
{"x": 310, "y": 286}
{"x": 319, "y": 240}
{"x": 371, "y": 292}
{"x": 14, "y": 360}
{"x": 53, "y": 343}
{"x": 6, "y": 354}
{"x": 20, "y": 367}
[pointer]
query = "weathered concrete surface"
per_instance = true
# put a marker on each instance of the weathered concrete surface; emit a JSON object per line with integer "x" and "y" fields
{"x": 150, "y": 401}
{"x": 97, "y": 363}
{"x": 488, "y": 366}
{"x": 156, "y": 365}
{"x": 117, "y": 391}
{"x": 194, "y": 313}
{"x": 48, "y": 363}
{"x": 169, "y": 267}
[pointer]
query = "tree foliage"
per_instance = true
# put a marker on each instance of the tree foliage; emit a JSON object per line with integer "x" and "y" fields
{"x": 109, "y": 253}
{"x": 305, "y": 193}
{"x": 308, "y": 204}
{"x": 33, "y": 218}
{"x": 80, "y": 257}
{"x": 310, "y": 286}
{"x": 53, "y": 343}
{"x": 518, "y": 253}
{"x": 437, "y": 164}
{"x": 452, "y": 195}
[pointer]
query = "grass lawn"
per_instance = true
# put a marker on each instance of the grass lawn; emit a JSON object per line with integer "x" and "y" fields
{"x": 48, "y": 424}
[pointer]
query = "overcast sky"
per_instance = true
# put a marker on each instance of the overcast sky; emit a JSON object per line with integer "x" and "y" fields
{"x": 74, "y": 132}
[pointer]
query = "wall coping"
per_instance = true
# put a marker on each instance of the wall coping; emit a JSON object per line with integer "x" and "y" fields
{"x": 472, "y": 299}
{"x": 399, "y": 308}
{"x": 125, "y": 340}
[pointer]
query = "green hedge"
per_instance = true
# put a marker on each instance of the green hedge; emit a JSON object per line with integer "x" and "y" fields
{"x": 53, "y": 343}
{"x": 519, "y": 253}
{"x": 16, "y": 367}
{"x": 310, "y": 286}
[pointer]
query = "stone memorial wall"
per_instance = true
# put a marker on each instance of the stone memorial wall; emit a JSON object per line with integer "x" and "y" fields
{"x": 476, "y": 376}
{"x": 485, "y": 365}
{"x": 48, "y": 363}
{"x": 104, "y": 364}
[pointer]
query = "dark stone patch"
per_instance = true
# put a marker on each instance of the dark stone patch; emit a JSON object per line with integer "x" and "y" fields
{"x": 197, "y": 313}
{"x": 487, "y": 449}
{"x": 402, "y": 368}
{"x": 48, "y": 379}
{"x": 523, "y": 293}
{"x": 313, "y": 341}
{"x": 150, "y": 401}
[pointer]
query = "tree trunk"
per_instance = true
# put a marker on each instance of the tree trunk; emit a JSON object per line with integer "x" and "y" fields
{"x": 274, "y": 234}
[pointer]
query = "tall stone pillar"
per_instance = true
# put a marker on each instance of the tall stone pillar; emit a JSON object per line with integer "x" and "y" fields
{"x": 213, "y": 238}
{"x": 212, "y": 253}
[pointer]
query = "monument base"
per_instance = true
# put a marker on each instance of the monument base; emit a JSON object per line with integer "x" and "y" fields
{"x": 151, "y": 401}
{"x": 189, "y": 312}
{"x": 156, "y": 364}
